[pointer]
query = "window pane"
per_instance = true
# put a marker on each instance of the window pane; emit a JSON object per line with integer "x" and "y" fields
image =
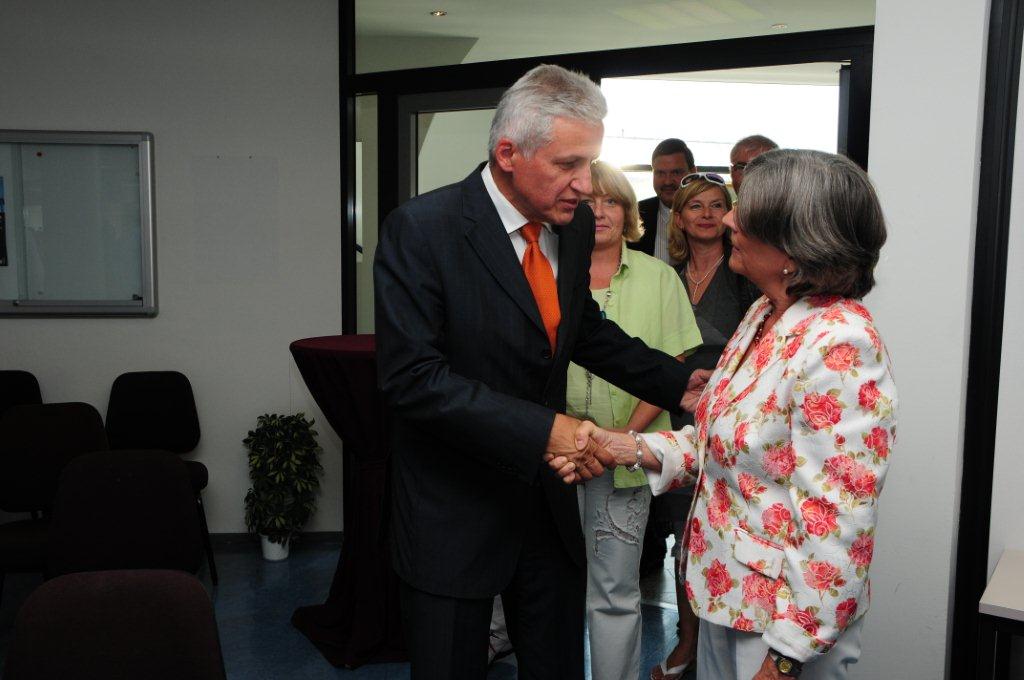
{"x": 796, "y": 106}
{"x": 451, "y": 144}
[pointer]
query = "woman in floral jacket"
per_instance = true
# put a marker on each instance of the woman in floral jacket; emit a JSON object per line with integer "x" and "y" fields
{"x": 793, "y": 432}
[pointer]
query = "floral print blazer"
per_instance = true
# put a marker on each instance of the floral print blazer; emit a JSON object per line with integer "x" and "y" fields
{"x": 789, "y": 455}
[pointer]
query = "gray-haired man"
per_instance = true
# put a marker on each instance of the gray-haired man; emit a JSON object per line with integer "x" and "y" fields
{"x": 744, "y": 151}
{"x": 482, "y": 300}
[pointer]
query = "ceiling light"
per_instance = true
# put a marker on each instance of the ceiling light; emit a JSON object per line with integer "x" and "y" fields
{"x": 438, "y": 13}
{"x": 779, "y": 27}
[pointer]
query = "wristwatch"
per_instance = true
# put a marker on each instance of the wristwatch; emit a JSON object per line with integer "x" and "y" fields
{"x": 786, "y": 666}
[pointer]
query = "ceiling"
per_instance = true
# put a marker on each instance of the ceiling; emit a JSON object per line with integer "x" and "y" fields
{"x": 394, "y": 34}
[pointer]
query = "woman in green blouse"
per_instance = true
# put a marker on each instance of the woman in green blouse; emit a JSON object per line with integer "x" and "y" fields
{"x": 646, "y": 298}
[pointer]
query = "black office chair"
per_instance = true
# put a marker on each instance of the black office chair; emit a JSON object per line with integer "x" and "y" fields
{"x": 124, "y": 510}
{"x": 116, "y": 625}
{"x": 18, "y": 387}
{"x": 36, "y": 442}
{"x": 157, "y": 410}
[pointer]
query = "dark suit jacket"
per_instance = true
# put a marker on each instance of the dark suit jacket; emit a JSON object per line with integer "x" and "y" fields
{"x": 467, "y": 371}
{"x": 649, "y": 216}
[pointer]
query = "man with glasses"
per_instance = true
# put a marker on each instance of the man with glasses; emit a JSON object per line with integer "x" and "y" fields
{"x": 744, "y": 151}
{"x": 671, "y": 161}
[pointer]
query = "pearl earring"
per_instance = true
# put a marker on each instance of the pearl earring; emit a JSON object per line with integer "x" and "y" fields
{"x": 785, "y": 271}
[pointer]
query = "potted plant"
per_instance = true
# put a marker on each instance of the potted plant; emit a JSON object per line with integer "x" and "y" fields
{"x": 284, "y": 467}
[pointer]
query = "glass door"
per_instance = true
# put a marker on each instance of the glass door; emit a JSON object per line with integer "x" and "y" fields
{"x": 434, "y": 139}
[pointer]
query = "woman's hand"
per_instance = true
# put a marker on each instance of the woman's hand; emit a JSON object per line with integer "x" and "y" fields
{"x": 768, "y": 671}
{"x": 694, "y": 388}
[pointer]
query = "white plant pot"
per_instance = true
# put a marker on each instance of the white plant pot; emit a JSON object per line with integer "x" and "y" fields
{"x": 273, "y": 552}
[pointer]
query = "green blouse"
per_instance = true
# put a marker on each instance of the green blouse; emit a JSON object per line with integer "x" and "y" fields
{"x": 647, "y": 300}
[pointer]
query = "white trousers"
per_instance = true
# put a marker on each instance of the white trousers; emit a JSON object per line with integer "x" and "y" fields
{"x": 726, "y": 654}
{"x": 614, "y": 521}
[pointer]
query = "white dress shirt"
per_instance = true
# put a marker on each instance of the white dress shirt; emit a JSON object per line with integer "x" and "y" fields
{"x": 513, "y": 221}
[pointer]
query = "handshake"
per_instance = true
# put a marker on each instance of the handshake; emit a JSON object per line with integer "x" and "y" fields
{"x": 579, "y": 450}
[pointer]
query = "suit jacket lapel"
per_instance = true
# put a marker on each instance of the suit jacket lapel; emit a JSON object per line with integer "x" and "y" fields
{"x": 569, "y": 262}
{"x": 789, "y": 329}
{"x": 730, "y": 372}
{"x": 490, "y": 241}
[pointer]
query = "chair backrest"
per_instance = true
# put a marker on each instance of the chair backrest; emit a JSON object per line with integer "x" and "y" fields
{"x": 116, "y": 625}
{"x": 152, "y": 410}
{"x": 36, "y": 442}
{"x": 124, "y": 510}
{"x": 18, "y": 387}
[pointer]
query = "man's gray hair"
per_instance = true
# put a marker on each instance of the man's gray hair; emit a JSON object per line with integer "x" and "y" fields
{"x": 754, "y": 143}
{"x": 821, "y": 210}
{"x": 527, "y": 110}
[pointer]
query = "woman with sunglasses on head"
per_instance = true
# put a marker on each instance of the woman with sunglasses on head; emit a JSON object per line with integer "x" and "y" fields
{"x": 699, "y": 241}
{"x": 645, "y": 298}
{"x": 794, "y": 432}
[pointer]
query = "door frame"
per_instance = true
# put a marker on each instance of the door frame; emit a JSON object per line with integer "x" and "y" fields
{"x": 851, "y": 45}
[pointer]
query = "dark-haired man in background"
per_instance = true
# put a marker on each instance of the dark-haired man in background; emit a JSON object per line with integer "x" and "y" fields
{"x": 671, "y": 161}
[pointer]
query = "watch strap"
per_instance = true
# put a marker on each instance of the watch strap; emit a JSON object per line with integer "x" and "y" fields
{"x": 787, "y": 666}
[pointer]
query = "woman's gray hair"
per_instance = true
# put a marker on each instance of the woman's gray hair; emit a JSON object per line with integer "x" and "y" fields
{"x": 527, "y": 110}
{"x": 821, "y": 210}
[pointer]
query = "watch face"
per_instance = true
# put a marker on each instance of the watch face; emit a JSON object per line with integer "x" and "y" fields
{"x": 785, "y": 666}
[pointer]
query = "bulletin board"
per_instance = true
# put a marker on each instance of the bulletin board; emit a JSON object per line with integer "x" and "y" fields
{"x": 76, "y": 224}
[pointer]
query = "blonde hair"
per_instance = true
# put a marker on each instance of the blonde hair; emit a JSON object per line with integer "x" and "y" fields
{"x": 678, "y": 246}
{"x": 610, "y": 181}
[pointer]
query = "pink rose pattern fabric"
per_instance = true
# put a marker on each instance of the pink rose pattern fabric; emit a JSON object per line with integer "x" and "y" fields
{"x": 792, "y": 447}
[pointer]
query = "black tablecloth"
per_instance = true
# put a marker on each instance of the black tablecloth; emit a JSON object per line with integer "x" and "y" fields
{"x": 360, "y": 621}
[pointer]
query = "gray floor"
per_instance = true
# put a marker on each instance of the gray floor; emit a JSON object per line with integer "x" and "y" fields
{"x": 255, "y": 600}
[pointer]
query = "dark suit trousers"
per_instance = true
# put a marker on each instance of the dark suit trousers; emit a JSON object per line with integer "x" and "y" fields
{"x": 448, "y": 636}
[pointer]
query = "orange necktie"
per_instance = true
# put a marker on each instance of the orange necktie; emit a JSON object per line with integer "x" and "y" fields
{"x": 542, "y": 281}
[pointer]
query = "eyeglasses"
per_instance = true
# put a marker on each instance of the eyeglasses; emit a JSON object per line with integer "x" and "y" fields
{"x": 712, "y": 177}
{"x": 739, "y": 167}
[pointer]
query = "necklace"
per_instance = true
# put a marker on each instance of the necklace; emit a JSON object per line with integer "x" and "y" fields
{"x": 760, "y": 329}
{"x": 697, "y": 282}
{"x": 589, "y": 397}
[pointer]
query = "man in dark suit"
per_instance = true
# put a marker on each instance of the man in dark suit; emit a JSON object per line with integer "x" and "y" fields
{"x": 671, "y": 161}
{"x": 482, "y": 299}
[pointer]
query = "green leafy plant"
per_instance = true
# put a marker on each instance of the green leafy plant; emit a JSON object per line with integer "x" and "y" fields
{"x": 284, "y": 467}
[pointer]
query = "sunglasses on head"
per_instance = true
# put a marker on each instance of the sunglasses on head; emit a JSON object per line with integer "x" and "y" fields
{"x": 712, "y": 177}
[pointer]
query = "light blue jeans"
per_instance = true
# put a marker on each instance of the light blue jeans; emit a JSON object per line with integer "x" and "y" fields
{"x": 614, "y": 521}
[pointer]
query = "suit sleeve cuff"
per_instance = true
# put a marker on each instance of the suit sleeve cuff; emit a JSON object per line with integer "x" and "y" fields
{"x": 676, "y": 451}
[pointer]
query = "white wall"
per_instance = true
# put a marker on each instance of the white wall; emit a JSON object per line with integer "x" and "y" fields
{"x": 391, "y": 52}
{"x": 242, "y": 97}
{"x": 922, "y": 92}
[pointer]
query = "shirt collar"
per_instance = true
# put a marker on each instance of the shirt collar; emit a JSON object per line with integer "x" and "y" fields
{"x": 625, "y": 259}
{"x": 511, "y": 218}
{"x": 624, "y": 262}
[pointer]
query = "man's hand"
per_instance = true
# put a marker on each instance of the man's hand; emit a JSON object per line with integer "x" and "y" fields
{"x": 695, "y": 388}
{"x": 580, "y": 464}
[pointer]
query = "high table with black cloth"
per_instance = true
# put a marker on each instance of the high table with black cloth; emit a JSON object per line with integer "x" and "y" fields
{"x": 360, "y": 622}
